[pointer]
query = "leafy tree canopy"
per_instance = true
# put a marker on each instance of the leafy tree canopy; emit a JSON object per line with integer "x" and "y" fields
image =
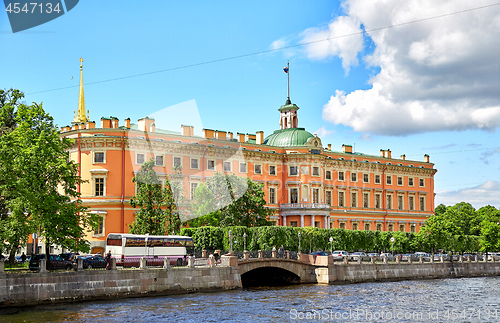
{"x": 157, "y": 213}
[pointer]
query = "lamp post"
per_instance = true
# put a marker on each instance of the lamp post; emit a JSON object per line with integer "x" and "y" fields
{"x": 299, "y": 242}
{"x": 244, "y": 241}
{"x": 230, "y": 242}
{"x": 331, "y": 245}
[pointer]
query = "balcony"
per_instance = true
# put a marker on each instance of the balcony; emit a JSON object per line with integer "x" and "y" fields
{"x": 321, "y": 206}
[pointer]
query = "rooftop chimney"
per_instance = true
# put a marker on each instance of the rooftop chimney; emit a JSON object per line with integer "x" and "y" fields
{"x": 144, "y": 124}
{"x": 347, "y": 149}
{"x": 221, "y": 135}
{"x": 241, "y": 137}
{"x": 426, "y": 158}
{"x": 403, "y": 157}
{"x": 187, "y": 131}
{"x": 90, "y": 125}
{"x": 260, "y": 137}
{"x": 105, "y": 123}
{"x": 208, "y": 133}
{"x": 127, "y": 123}
{"x": 330, "y": 147}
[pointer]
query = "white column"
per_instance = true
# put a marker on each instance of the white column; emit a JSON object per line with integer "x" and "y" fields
{"x": 312, "y": 221}
{"x": 302, "y": 220}
{"x": 326, "y": 222}
{"x": 284, "y": 220}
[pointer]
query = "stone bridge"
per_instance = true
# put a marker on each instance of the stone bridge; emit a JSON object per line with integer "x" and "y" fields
{"x": 322, "y": 270}
{"x": 275, "y": 271}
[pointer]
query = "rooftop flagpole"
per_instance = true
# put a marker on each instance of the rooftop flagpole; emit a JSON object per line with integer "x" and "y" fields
{"x": 287, "y": 69}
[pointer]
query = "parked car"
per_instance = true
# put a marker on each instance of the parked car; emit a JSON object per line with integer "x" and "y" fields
{"x": 56, "y": 262}
{"x": 339, "y": 254}
{"x": 92, "y": 261}
{"x": 356, "y": 255}
{"x": 413, "y": 257}
{"x": 388, "y": 255}
{"x": 320, "y": 253}
{"x": 69, "y": 256}
{"x": 374, "y": 255}
{"x": 494, "y": 255}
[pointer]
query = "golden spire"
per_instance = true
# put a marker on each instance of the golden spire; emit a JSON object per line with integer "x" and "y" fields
{"x": 80, "y": 115}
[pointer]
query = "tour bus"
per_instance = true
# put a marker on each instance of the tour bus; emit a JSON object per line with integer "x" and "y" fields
{"x": 128, "y": 249}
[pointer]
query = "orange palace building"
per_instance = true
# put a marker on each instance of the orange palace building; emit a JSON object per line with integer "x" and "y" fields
{"x": 306, "y": 183}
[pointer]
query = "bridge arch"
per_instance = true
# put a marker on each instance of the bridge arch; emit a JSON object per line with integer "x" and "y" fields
{"x": 274, "y": 272}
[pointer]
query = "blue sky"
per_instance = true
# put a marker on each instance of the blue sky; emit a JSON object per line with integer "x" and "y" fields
{"x": 420, "y": 87}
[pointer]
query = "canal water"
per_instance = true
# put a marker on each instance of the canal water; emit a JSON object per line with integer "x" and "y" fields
{"x": 443, "y": 300}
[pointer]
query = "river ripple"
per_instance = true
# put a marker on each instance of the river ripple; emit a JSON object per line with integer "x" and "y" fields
{"x": 441, "y": 300}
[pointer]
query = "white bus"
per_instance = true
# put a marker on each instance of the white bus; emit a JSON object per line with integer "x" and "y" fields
{"x": 129, "y": 248}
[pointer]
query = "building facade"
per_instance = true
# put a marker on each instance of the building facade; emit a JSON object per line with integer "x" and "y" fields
{"x": 306, "y": 183}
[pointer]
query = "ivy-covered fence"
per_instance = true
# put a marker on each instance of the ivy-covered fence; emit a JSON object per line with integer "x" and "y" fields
{"x": 312, "y": 239}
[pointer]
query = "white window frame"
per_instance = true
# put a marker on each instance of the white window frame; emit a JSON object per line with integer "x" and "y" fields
{"x": 420, "y": 198}
{"x": 397, "y": 180}
{"x": 379, "y": 177}
{"x": 173, "y": 161}
{"x": 274, "y": 195}
{"x": 326, "y": 197}
{"x": 367, "y": 200}
{"x": 412, "y": 184}
{"x": 255, "y": 166}
{"x": 290, "y": 194}
{"x": 380, "y": 201}
{"x": 162, "y": 159}
{"x": 208, "y": 164}
{"x": 246, "y": 168}
{"x": 137, "y": 158}
{"x": 296, "y": 170}
{"x": 315, "y": 195}
{"x": 96, "y": 152}
{"x": 343, "y": 176}
{"x": 355, "y": 176}
{"x": 191, "y": 191}
{"x": 389, "y": 201}
{"x": 328, "y": 175}
{"x": 368, "y": 176}
{"x": 388, "y": 179}
{"x": 102, "y": 214}
{"x": 341, "y": 200}
{"x": 402, "y": 199}
{"x": 354, "y": 201}
{"x": 421, "y": 180}
{"x": 318, "y": 174}
{"x": 227, "y": 162}
{"x": 275, "y": 172}
{"x": 411, "y": 203}
{"x": 191, "y": 163}
{"x": 94, "y": 178}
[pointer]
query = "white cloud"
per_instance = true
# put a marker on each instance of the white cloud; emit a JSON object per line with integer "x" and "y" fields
{"x": 323, "y": 132}
{"x": 278, "y": 44}
{"x": 344, "y": 41}
{"x": 435, "y": 75}
{"x": 479, "y": 196}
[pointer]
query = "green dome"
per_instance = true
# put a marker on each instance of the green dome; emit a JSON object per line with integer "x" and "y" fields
{"x": 291, "y": 137}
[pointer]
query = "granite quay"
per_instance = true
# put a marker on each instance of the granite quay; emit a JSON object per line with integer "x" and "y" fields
{"x": 231, "y": 272}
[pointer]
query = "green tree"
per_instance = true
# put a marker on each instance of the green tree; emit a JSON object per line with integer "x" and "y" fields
{"x": 234, "y": 201}
{"x": 490, "y": 228}
{"x": 202, "y": 208}
{"x": 157, "y": 209}
{"x": 41, "y": 183}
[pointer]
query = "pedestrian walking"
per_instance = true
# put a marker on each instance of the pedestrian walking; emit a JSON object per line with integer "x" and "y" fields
{"x": 108, "y": 260}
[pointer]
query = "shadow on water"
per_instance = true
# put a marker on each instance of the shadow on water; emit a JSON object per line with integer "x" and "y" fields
{"x": 269, "y": 276}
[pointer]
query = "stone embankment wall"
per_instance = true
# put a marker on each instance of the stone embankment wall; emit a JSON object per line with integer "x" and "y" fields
{"x": 357, "y": 273}
{"x": 39, "y": 288}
